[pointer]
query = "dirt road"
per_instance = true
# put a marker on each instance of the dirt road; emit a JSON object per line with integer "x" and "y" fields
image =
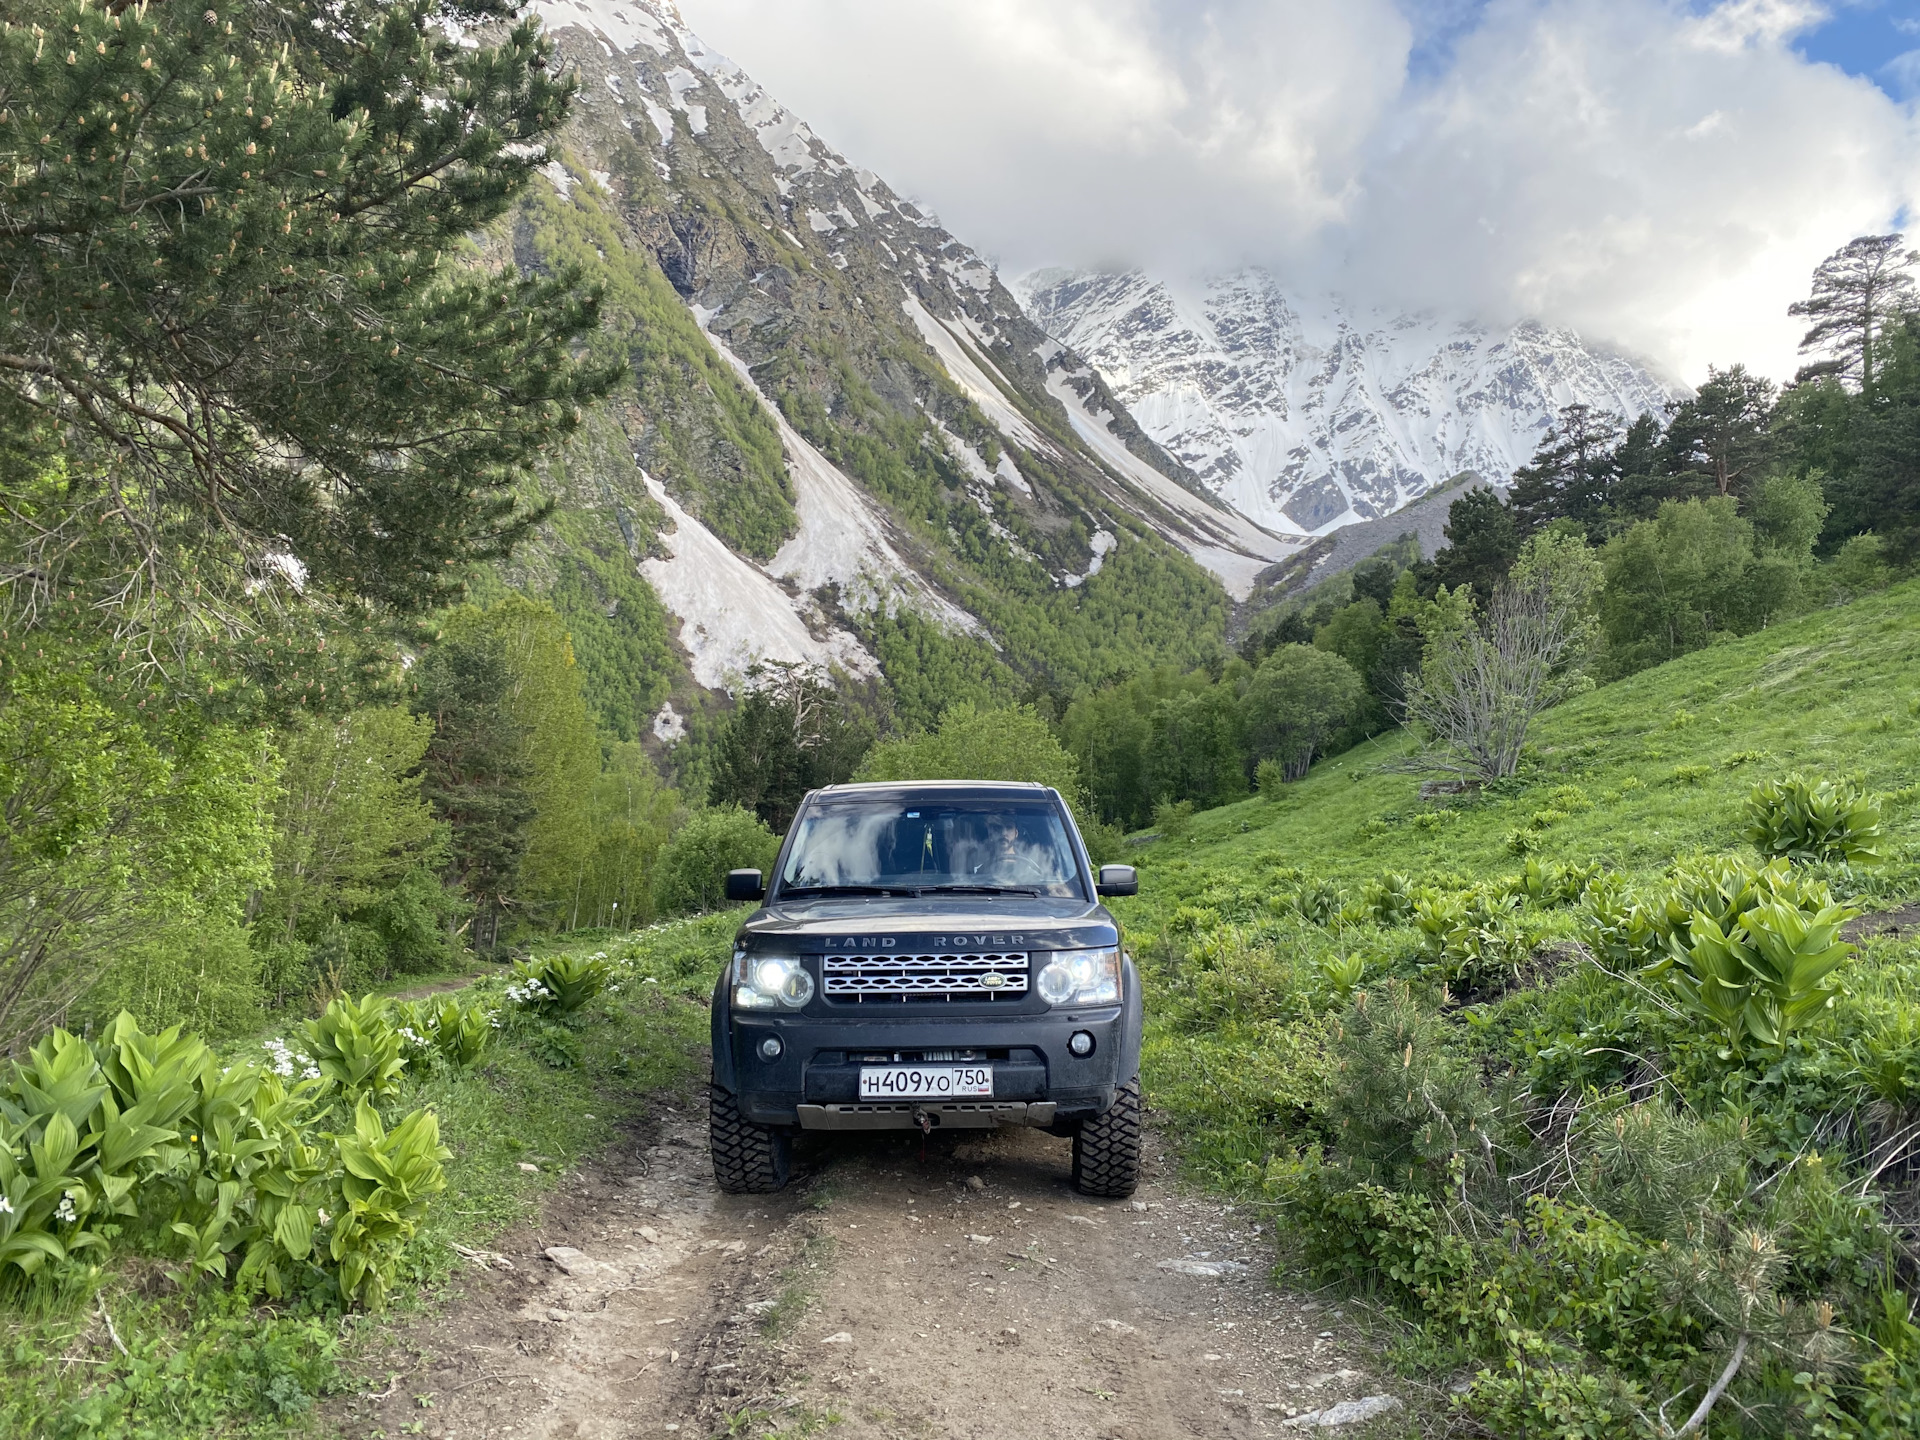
{"x": 969, "y": 1293}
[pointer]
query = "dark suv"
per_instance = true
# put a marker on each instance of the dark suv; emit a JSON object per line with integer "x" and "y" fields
{"x": 928, "y": 954}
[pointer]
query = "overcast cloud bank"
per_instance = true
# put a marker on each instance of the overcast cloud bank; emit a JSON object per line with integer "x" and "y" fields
{"x": 1659, "y": 176}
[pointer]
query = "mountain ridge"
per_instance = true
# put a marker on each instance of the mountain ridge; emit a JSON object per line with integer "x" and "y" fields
{"x": 1308, "y": 413}
{"x": 846, "y": 444}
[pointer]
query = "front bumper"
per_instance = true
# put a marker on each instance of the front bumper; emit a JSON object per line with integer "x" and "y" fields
{"x": 940, "y": 1114}
{"x": 815, "y": 1081}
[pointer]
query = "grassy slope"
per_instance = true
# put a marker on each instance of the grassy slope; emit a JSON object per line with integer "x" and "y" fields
{"x": 1832, "y": 693}
{"x": 1666, "y": 759}
{"x": 205, "y": 1362}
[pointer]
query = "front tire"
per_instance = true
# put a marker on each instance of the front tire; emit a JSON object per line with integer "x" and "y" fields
{"x": 1106, "y": 1149}
{"x": 748, "y": 1159}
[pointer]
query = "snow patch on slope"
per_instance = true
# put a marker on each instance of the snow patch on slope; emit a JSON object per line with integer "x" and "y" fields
{"x": 968, "y": 375}
{"x": 731, "y": 614}
{"x": 840, "y": 541}
{"x": 1104, "y": 543}
{"x": 628, "y": 26}
{"x": 1226, "y": 542}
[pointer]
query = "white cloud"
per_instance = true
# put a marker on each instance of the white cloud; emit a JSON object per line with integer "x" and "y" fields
{"x": 1661, "y": 176}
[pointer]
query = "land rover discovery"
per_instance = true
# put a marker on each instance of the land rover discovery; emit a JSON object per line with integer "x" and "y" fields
{"x": 928, "y": 955}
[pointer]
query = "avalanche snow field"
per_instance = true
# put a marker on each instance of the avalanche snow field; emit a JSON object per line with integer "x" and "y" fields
{"x": 1630, "y": 776}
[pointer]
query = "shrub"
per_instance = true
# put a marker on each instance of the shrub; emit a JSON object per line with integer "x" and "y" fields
{"x": 693, "y": 866}
{"x": 1173, "y": 818}
{"x": 1807, "y": 821}
{"x": 1407, "y": 1108}
{"x": 1270, "y": 778}
{"x": 358, "y": 1047}
{"x": 559, "y": 984}
{"x": 1366, "y": 1235}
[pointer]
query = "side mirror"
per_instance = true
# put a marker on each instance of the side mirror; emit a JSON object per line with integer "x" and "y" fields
{"x": 1118, "y": 880}
{"x": 745, "y": 885}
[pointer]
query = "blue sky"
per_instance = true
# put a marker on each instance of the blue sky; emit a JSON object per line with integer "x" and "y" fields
{"x": 1862, "y": 37}
{"x": 1868, "y": 38}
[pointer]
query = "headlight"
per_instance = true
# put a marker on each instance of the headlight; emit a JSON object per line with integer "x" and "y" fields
{"x": 770, "y": 982}
{"x": 1081, "y": 977}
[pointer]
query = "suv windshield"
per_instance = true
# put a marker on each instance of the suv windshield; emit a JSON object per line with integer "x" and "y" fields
{"x": 865, "y": 843}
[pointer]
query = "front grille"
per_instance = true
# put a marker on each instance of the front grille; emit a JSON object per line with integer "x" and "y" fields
{"x": 857, "y": 979}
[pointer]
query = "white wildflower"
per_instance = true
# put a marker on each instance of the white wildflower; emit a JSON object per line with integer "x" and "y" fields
{"x": 64, "y": 1211}
{"x": 312, "y": 1072}
{"x": 6, "y": 1206}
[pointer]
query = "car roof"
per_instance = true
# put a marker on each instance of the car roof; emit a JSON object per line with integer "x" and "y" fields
{"x": 1022, "y": 789}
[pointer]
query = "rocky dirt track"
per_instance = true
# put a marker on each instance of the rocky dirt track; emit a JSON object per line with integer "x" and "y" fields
{"x": 969, "y": 1293}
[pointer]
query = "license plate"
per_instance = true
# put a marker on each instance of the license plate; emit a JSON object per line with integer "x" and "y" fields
{"x": 926, "y": 1082}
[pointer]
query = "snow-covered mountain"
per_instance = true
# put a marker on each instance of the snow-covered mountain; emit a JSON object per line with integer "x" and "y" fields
{"x": 843, "y": 428}
{"x": 1309, "y": 414}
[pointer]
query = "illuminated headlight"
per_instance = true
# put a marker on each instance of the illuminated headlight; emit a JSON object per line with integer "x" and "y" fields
{"x": 770, "y": 982}
{"x": 1081, "y": 977}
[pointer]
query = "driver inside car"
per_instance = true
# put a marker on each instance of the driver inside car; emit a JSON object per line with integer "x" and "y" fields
{"x": 1007, "y": 860}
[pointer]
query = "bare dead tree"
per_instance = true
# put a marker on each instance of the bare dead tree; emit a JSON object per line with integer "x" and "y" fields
{"x": 1481, "y": 689}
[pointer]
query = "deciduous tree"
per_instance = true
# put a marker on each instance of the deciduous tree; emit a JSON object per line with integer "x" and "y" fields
{"x": 1297, "y": 702}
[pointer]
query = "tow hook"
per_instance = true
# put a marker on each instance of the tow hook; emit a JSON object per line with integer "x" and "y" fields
{"x": 925, "y": 1122}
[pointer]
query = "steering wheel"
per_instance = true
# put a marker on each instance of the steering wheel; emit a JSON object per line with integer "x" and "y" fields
{"x": 1022, "y": 868}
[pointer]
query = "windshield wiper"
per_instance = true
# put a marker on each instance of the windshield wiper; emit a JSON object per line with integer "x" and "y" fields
{"x": 788, "y": 892}
{"x": 975, "y": 890}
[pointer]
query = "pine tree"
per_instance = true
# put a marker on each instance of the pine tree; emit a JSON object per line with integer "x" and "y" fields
{"x": 1482, "y": 542}
{"x": 1570, "y": 474}
{"x": 1858, "y": 291}
{"x": 1638, "y": 486}
{"x": 238, "y": 308}
{"x": 476, "y": 773}
{"x": 1718, "y": 441}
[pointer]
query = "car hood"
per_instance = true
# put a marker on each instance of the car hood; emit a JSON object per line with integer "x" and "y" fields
{"x": 864, "y": 924}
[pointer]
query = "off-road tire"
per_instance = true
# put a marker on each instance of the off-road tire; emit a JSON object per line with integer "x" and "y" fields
{"x": 748, "y": 1159}
{"x": 1106, "y": 1149}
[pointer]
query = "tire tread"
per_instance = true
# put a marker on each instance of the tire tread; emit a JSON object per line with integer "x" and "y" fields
{"x": 1106, "y": 1149}
{"x": 748, "y": 1159}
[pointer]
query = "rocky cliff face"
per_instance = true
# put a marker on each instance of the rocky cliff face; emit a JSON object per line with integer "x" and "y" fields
{"x": 1310, "y": 414}
{"x": 845, "y": 443}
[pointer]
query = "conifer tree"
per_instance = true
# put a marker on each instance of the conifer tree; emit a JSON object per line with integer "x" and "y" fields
{"x": 1482, "y": 541}
{"x": 237, "y": 315}
{"x": 477, "y": 775}
{"x": 1858, "y": 291}
{"x": 1718, "y": 441}
{"x": 1570, "y": 474}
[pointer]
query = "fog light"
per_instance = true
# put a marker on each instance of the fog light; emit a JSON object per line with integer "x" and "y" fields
{"x": 771, "y": 1047}
{"x": 1080, "y": 1043}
